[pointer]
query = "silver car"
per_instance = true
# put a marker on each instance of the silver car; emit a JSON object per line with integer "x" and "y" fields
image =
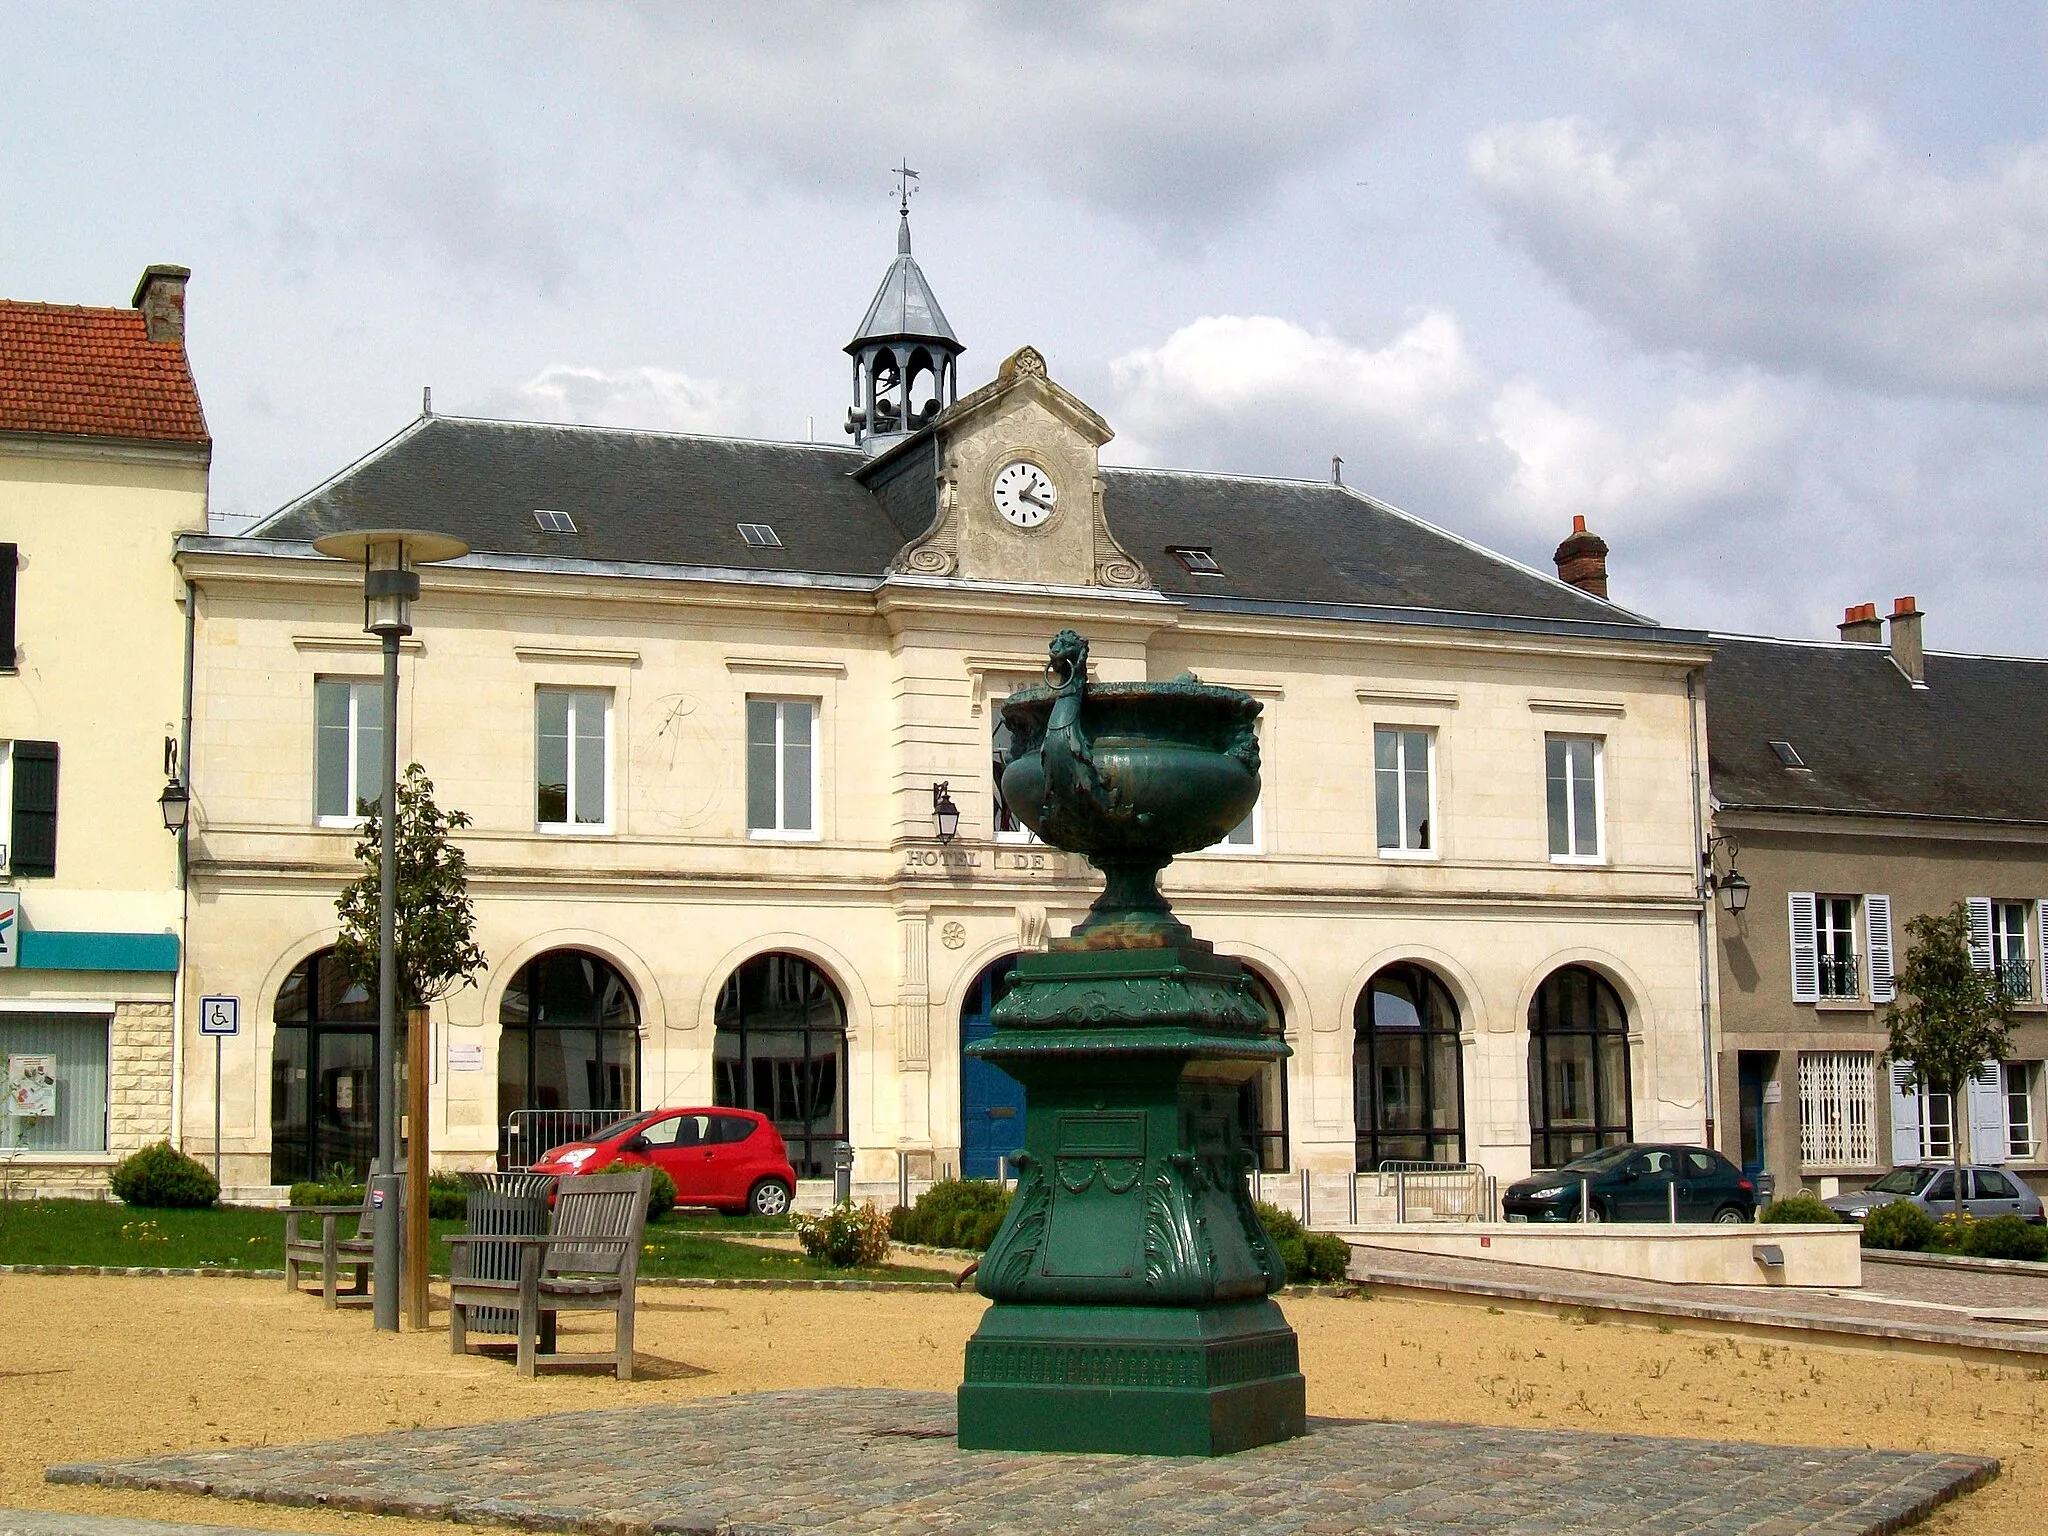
{"x": 1987, "y": 1192}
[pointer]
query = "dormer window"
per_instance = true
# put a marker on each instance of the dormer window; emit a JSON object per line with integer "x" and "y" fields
{"x": 1195, "y": 559}
{"x": 1787, "y": 756}
{"x": 759, "y": 536}
{"x": 555, "y": 522}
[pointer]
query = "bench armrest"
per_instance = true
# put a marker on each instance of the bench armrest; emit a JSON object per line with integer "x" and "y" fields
{"x": 323, "y": 1210}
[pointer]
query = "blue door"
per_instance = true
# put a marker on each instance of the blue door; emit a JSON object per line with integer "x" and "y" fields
{"x": 991, "y": 1101}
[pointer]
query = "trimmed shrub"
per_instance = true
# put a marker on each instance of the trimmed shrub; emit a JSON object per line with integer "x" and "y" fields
{"x": 447, "y": 1195}
{"x": 1952, "y": 1232}
{"x": 953, "y": 1213}
{"x": 163, "y": 1178}
{"x": 846, "y": 1236}
{"x": 1800, "y": 1210}
{"x": 2006, "y": 1237}
{"x": 1898, "y": 1225}
{"x": 661, "y": 1194}
{"x": 1311, "y": 1257}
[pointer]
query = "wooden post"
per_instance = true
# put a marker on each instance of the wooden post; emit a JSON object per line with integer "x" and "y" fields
{"x": 418, "y": 1035}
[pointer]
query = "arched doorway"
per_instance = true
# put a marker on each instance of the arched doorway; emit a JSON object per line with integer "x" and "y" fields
{"x": 1408, "y": 1080}
{"x": 323, "y": 1073}
{"x": 568, "y": 1051}
{"x": 1578, "y": 1068}
{"x": 991, "y": 1101}
{"x": 780, "y": 1048}
{"x": 1262, "y": 1099}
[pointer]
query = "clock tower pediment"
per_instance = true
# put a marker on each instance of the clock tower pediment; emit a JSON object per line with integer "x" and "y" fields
{"x": 1019, "y": 488}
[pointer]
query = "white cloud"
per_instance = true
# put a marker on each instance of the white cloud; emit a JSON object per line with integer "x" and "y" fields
{"x": 659, "y": 399}
{"x": 1798, "y": 237}
{"x": 1171, "y": 113}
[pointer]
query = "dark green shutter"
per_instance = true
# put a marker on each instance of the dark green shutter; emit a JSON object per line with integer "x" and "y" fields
{"x": 9, "y": 559}
{"x": 33, "y": 846}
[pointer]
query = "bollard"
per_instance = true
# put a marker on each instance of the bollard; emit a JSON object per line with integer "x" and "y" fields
{"x": 1002, "y": 1170}
{"x": 902, "y": 1177}
{"x": 1400, "y": 1196}
{"x": 1351, "y": 1196}
{"x": 1671, "y": 1201}
{"x": 1585, "y": 1201}
{"x": 842, "y": 1173}
{"x": 1307, "y": 1196}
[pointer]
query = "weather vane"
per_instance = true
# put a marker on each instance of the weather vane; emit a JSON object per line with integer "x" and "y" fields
{"x": 904, "y": 177}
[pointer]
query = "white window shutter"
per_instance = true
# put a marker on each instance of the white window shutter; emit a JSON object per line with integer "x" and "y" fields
{"x": 2041, "y": 928}
{"x": 1980, "y": 932}
{"x": 1905, "y": 1117}
{"x": 1806, "y": 948}
{"x": 1877, "y": 918}
{"x": 1987, "y": 1113}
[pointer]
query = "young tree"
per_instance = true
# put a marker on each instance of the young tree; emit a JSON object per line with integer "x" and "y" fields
{"x": 434, "y": 920}
{"x": 1959, "y": 1016}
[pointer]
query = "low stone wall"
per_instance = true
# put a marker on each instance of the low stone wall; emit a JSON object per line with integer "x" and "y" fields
{"x": 1679, "y": 1255}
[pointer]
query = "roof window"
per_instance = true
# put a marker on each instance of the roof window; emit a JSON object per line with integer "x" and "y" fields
{"x": 555, "y": 522}
{"x": 1195, "y": 559}
{"x": 759, "y": 536}
{"x": 1786, "y": 755}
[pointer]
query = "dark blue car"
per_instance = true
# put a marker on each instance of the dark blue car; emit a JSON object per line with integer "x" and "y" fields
{"x": 1635, "y": 1183}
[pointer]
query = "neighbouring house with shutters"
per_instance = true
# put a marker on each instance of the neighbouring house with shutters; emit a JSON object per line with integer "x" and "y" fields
{"x": 104, "y": 457}
{"x": 1861, "y": 783}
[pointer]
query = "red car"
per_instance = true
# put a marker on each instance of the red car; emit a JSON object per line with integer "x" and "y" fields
{"x": 733, "y": 1159}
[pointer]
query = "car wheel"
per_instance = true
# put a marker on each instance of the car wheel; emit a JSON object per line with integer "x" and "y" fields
{"x": 1729, "y": 1216}
{"x": 770, "y": 1197}
{"x": 1593, "y": 1211}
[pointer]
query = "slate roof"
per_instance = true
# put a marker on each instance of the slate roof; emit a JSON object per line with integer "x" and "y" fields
{"x": 670, "y": 499}
{"x": 69, "y": 370}
{"x": 1969, "y": 745}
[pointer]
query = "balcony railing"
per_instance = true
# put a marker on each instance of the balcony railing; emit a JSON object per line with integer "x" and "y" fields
{"x": 1840, "y": 976}
{"x": 2016, "y": 978}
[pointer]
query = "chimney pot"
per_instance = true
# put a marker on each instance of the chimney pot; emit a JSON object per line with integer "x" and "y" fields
{"x": 161, "y": 298}
{"x": 1907, "y": 652}
{"x": 1861, "y": 626}
{"x": 1582, "y": 560}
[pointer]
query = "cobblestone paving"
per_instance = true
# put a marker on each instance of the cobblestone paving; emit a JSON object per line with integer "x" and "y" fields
{"x": 882, "y": 1463}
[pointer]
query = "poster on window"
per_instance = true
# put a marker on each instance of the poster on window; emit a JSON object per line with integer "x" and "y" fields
{"x": 32, "y": 1086}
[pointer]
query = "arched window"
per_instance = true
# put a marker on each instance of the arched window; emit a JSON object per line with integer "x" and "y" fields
{"x": 323, "y": 1073}
{"x": 991, "y": 1101}
{"x": 1408, "y": 1083}
{"x": 1578, "y": 1068}
{"x": 568, "y": 1051}
{"x": 780, "y": 1048}
{"x": 1262, "y": 1100}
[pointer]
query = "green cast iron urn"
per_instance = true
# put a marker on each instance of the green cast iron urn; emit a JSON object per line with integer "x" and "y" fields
{"x": 1132, "y": 1280}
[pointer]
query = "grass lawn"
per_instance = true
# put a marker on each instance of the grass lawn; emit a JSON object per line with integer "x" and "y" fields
{"x": 232, "y": 1237}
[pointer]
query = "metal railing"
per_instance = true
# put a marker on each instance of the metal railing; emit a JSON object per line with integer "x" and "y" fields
{"x": 528, "y": 1133}
{"x": 1437, "y": 1191}
{"x": 2016, "y": 978}
{"x": 1840, "y": 976}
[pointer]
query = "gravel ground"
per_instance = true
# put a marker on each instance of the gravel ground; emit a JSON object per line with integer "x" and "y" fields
{"x": 100, "y": 1368}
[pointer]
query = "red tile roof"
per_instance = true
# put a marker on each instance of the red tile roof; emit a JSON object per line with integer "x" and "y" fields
{"x": 93, "y": 373}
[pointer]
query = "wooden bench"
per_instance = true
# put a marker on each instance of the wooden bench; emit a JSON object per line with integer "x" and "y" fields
{"x": 589, "y": 1261}
{"x": 330, "y": 1251}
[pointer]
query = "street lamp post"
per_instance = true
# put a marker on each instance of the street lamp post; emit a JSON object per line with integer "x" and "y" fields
{"x": 391, "y": 581}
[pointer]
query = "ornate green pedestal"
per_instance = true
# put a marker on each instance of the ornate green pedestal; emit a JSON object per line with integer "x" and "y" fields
{"x": 1131, "y": 1277}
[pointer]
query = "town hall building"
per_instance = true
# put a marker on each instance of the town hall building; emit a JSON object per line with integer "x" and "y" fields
{"x": 709, "y": 700}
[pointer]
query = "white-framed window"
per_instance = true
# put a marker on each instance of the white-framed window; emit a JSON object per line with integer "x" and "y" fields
{"x": 60, "y": 1059}
{"x": 1841, "y": 970}
{"x": 2022, "y": 1091}
{"x": 1404, "y": 789}
{"x": 572, "y": 759}
{"x": 782, "y": 768}
{"x": 1824, "y": 931}
{"x": 1008, "y": 829}
{"x": 1573, "y": 795}
{"x": 1837, "y": 1106}
{"x": 348, "y": 752}
{"x": 1923, "y": 1122}
{"x": 2009, "y": 954}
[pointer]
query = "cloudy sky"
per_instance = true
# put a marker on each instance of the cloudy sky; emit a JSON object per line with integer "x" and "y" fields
{"x": 1761, "y": 290}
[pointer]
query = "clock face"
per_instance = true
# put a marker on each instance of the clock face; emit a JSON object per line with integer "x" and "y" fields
{"x": 1025, "y": 494}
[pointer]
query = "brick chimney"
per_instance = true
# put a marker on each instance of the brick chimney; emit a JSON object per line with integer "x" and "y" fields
{"x": 1906, "y": 652}
{"x": 1582, "y": 560}
{"x": 1861, "y": 625}
{"x": 161, "y": 298}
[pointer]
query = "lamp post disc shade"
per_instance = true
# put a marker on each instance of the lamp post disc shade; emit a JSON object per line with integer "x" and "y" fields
{"x": 421, "y": 548}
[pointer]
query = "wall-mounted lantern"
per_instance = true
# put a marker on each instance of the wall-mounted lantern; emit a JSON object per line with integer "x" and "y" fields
{"x": 945, "y": 814}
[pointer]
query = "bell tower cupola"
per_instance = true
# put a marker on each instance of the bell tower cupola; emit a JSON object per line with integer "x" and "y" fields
{"x": 905, "y": 355}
